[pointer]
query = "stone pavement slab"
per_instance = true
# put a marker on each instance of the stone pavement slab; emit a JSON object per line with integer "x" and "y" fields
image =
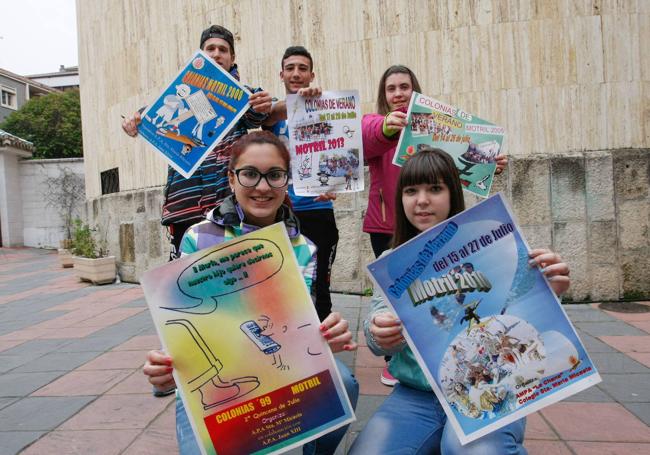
{"x": 614, "y": 362}
{"x": 83, "y": 383}
{"x": 591, "y": 395}
{"x": 607, "y": 448}
{"x": 12, "y": 441}
{"x": 627, "y": 388}
{"x": 595, "y": 422}
{"x": 628, "y": 343}
{"x": 22, "y": 384}
{"x": 641, "y": 410}
{"x": 56, "y": 361}
{"x": 97, "y": 442}
{"x": 118, "y": 412}
{"x": 614, "y": 328}
{"x": 41, "y": 413}
{"x": 156, "y": 439}
{"x": 641, "y": 357}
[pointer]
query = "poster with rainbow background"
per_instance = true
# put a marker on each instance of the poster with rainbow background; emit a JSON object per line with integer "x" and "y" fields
{"x": 252, "y": 369}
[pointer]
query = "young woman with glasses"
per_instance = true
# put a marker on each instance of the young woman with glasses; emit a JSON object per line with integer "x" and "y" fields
{"x": 258, "y": 177}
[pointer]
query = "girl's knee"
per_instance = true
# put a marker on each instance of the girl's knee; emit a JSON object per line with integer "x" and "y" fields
{"x": 508, "y": 440}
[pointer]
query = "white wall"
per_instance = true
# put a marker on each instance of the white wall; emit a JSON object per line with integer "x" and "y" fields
{"x": 11, "y": 221}
{"x": 43, "y": 226}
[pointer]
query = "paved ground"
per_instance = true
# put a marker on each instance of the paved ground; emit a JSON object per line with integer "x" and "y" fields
{"x": 70, "y": 379}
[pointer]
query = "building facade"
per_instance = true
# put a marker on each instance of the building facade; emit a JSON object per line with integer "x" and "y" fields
{"x": 569, "y": 81}
{"x": 67, "y": 78}
{"x": 16, "y": 90}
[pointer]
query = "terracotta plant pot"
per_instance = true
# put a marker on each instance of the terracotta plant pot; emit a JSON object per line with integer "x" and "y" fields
{"x": 97, "y": 271}
{"x": 65, "y": 258}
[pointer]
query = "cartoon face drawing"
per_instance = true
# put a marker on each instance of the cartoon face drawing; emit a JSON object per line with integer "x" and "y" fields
{"x": 183, "y": 90}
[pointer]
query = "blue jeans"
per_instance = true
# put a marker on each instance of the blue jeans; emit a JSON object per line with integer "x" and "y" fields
{"x": 412, "y": 421}
{"x": 324, "y": 445}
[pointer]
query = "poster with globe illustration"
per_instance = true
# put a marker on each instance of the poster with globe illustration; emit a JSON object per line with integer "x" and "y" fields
{"x": 485, "y": 327}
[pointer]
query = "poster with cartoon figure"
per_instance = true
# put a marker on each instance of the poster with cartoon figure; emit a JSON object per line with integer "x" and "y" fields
{"x": 252, "y": 368}
{"x": 325, "y": 143}
{"x": 486, "y": 329}
{"x": 472, "y": 142}
{"x": 196, "y": 110}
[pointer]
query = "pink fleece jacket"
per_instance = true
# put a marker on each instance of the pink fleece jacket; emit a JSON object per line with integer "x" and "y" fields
{"x": 378, "y": 152}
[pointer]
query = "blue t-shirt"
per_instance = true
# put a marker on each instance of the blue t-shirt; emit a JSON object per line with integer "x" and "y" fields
{"x": 300, "y": 203}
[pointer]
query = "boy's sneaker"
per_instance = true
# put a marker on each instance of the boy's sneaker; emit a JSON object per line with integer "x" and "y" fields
{"x": 386, "y": 378}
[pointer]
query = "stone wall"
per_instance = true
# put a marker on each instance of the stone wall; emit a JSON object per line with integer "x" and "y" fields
{"x": 134, "y": 234}
{"x": 592, "y": 208}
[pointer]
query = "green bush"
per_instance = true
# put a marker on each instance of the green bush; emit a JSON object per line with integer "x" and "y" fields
{"x": 52, "y": 122}
{"x": 83, "y": 243}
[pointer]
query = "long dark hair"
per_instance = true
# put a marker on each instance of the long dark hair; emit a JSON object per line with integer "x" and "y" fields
{"x": 430, "y": 165}
{"x": 382, "y": 104}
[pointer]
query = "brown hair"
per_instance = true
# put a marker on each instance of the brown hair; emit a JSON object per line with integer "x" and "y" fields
{"x": 382, "y": 104}
{"x": 297, "y": 50}
{"x": 430, "y": 165}
{"x": 258, "y": 137}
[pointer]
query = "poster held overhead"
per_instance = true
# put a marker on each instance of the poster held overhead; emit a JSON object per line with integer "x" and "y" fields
{"x": 191, "y": 116}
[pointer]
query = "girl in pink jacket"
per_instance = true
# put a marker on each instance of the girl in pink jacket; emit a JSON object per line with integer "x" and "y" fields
{"x": 380, "y": 137}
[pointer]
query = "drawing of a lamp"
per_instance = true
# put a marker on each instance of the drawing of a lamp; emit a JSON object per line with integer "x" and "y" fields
{"x": 213, "y": 389}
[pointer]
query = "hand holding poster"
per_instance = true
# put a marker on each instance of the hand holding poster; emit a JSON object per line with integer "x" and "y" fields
{"x": 472, "y": 142}
{"x": 325, "y": 143}
{"x": 253, "y": 371}
{"x": 194, "y": 112}
{"x": 486, "y": 329}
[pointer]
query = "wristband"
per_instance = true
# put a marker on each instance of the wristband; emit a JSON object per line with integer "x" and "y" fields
{"x": 388, "y": 132}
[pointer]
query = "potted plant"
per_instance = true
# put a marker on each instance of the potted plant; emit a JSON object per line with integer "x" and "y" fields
{"x": 90, "y": 263}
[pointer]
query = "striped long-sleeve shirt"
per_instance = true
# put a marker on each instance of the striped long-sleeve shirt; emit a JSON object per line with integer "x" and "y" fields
{"x": 188, "y": 200}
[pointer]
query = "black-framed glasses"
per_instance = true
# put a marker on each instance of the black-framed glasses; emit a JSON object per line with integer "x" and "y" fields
{"x": 251, "y": 177}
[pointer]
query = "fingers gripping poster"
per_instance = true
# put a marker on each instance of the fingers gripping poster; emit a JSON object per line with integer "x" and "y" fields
{"x": 194, "y": 113}
{"x": 252, "y": 369}
{"x": 472, "y": 142}
{"x": 485, "y": 327}
{"x": 325, "y": 143}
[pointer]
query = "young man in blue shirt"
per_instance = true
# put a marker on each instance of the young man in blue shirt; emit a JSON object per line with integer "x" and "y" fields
{"x": 316, "y": 215}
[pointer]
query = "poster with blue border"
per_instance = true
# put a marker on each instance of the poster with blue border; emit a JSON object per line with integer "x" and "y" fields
{"x": 472, "y": 142}
{"x": 196, "y": 110}
{"x": 485, "y": 327}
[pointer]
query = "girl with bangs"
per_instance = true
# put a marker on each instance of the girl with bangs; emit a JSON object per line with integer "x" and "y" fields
{"x": 411, "y": 420}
